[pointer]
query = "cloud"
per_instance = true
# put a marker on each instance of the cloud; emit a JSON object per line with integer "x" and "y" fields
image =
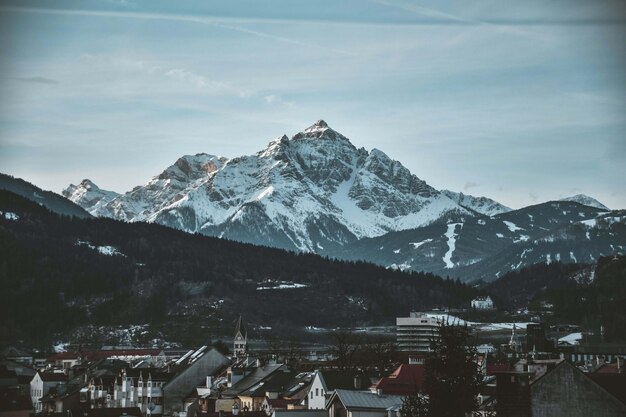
{"x": 37, "y": 80}
{"x": 211, "y": 21}
{"x": 470, "y": 184}
{"x": 274, "y": 99}
{"x": 533, "y": 197}
{"x": 198, "y": 81}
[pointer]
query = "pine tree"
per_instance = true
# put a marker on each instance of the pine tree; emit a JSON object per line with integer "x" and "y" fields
{"x": 452, "y": 376}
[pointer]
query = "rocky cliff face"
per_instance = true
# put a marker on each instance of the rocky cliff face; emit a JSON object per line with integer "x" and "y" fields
{"x": 311, "y": 192}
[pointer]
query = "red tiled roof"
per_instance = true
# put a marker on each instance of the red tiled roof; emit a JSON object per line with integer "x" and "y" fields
{"x": 492, "y": 369}
{"x": 64, "y": 356}
{"x": 406, "y": 380}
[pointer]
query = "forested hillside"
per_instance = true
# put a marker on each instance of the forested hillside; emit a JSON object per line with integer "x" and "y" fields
{"x": 60, "y": 272}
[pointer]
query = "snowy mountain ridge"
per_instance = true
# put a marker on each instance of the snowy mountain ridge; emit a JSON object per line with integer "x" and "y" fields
{"x": 586, "y": 201}
{"x": 317, "y": 192}
{"x": 307, "y": 192}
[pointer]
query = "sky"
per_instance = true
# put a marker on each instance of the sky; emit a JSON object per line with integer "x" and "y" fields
{"x": 522, "y": 102}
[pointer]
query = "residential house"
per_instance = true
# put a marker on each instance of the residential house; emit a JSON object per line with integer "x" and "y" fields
{"x": 482, "y": 303}
{"x": 41, "y": 384}
{"x": 346, "y": 403}
{"x": 191, "y": 372}
{"x": 405, "y": 380}
{"x": 14, "y": 396}
{"x": 326, "y": 382}
{"x": 564, "y": 391}
{"x": 65, "y": 360}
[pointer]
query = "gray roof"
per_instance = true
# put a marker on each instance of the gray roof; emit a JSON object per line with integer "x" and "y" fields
{"x": 300, "y": 413}
{"x": 257, "y": 376}
{"x": 367, "y": 399}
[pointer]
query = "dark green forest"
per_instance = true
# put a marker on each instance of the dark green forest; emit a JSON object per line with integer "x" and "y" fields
{"x": 588, "y": 295}
{"x": 53, "y": 279}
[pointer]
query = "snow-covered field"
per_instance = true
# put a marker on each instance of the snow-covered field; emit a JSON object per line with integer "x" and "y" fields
{"x": 486, "y": 327}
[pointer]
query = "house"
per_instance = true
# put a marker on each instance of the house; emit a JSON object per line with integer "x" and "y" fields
{"x": 41, "y": 384}
{"x": 346, "y": 403}
{"x": 405, "y": 380}
{"x": 564, "y": 391}
{"x": 64, "y": 398}
{"x": 326, "y": 382}
{"x": 16, "y": 355}
{"x": 239, "y": 392}
{"x": 65, "y": 360}
{"x": 482, "y": 303}
{"x": 14, "y": 399}
{"x": 192, "y": 371}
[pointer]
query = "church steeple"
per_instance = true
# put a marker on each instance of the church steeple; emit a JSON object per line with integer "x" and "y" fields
{"x": 240, "y": 343}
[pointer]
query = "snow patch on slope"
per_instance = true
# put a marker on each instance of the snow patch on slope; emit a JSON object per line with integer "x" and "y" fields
{"x": 447, "y": 258}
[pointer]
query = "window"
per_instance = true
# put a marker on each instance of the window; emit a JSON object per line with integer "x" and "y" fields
{"x": 317, "y": 393}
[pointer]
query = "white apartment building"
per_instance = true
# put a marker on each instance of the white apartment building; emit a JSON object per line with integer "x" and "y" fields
{"x": 414, "y": 333}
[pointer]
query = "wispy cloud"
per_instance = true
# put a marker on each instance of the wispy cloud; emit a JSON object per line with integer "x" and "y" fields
{"x": 275, "y": 99}
{"x": 442, "y": 17}
{"x": 212, "y": 21}
{"x": 183, "y": 75}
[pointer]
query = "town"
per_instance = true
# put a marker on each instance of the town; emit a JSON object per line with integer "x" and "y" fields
{"x": 538, "y": 370}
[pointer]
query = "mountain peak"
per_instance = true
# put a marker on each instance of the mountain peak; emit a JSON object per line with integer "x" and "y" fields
{"x": 320, "y": 125}
{"x": 89, "y": 185}
{"x": 586, "y": 200}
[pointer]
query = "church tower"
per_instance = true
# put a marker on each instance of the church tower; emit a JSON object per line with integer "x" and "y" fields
{"x": 240, "y": 344}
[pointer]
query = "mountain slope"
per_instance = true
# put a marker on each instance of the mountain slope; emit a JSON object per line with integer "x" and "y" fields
{"x": 482, "y": 205}
{"x": 52, "y": 201}
{"x": 313, "y": 192}
{"x": 487, "y": 247}
{"x": 586, "y": 200}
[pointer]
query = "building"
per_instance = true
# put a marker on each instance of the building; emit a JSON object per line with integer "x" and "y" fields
{"x": 194, "y": 369}
{"x": 240, "y": 342}
{"x": 564, "y": 391}
{"x": 415, "y": 333}
{"x": 536, "y": 338}
{"x": 345, "y": 403}
{"x": 406, "y": 380}
{"x": 41, "y": 384}
{"x": 325, "y": 383}
{"x": 483, "y": 302}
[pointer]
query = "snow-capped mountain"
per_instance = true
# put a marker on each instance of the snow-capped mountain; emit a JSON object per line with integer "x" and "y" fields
{"x": 482, "y": 205}
{"x": 89, "y": 196}
{"x": 317, "y": 192}
{"x": 586, "y": 200}
{"x": 311, "y": 192}
{"x": 488, "y": 247}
